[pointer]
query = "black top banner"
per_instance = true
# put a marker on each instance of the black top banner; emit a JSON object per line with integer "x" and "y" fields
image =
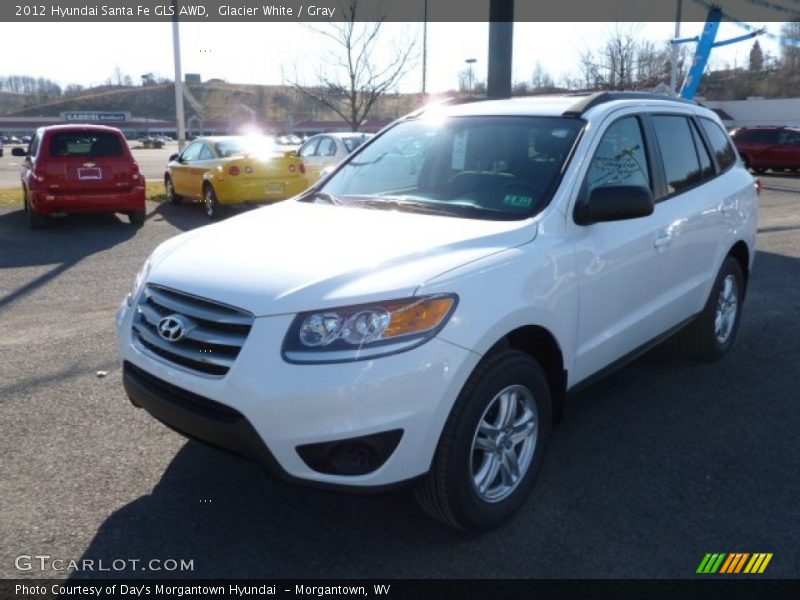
{"x": 311, "y": 11}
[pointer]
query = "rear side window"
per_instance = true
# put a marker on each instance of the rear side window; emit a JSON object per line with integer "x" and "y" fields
{"x": 85, "y": 144}
{"x": 327, "y": 147}
{"x": 681, "y": 164}
{"x": 791, "y": 138}
{"x": 720, "y": 143}
{"x": 705, "y": 158}
{"x": 309, "y": 148}
{"x": 759, "y": 136}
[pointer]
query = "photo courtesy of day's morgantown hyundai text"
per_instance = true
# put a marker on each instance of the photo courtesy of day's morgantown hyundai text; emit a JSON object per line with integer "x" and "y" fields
{"x": 418, "y": 315}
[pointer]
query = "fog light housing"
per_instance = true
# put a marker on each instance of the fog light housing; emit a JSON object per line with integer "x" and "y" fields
{"x": 352, "y": 456}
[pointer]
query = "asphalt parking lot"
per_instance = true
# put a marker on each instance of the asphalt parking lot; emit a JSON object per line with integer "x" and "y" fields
{"x": 653, "y": 467}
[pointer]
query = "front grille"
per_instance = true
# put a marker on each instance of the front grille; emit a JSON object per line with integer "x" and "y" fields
{"x": 214, "y": 333}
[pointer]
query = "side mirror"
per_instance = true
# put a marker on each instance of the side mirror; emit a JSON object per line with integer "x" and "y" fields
{"x": 615, "y": 203}
{"x": 172, "y": 157}
{"x": 19, "y": 152}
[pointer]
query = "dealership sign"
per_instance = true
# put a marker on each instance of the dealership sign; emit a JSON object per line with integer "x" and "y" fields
{"x": 95, "y": 116}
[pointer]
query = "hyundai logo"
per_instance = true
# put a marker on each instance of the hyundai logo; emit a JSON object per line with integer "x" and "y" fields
{"x": 172, "y": 328}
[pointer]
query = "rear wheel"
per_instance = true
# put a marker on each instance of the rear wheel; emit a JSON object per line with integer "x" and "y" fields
{"x": 711, "y": 335}
{"x": 137, "y": 217}
{"x": 172, "y": 197}
{"x": 492, "y": 446}
{"x": 35, "y": 221}
{"x": 212, "y": 205}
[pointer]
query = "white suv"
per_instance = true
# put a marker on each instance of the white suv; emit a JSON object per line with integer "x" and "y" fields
{"x": 419, "y": 315}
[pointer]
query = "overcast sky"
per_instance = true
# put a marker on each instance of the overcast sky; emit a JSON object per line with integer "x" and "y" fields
{"x": 257, "y": 52}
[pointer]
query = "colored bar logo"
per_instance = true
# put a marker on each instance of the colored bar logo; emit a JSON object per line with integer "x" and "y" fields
{"x": 734, "y": 563}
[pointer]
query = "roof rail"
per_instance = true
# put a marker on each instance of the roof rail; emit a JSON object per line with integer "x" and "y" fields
{"x": 592, "y": 100}
{"x": 446, "y": 101}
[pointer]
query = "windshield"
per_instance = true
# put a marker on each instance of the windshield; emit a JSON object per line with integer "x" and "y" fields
{"x": 473, "y": 167}
{"x": 246, "y": 145}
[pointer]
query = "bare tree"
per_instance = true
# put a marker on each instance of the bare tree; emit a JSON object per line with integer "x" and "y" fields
{"x": 790, "y": 52}
{"x": 353, "y": 80}
{"x": 625, "y": 62}
{"x": 541, "y": 78}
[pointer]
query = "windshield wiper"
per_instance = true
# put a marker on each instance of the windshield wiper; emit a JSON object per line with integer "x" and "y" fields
{"x": 329, "y": 198}
{"x": 353, "y": 163}
{"x": 407, "y": 206}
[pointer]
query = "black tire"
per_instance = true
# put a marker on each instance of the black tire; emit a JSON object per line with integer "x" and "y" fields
{"x": 169, "y": 187}
{"x": 137, "y": 217}
{"x": 700, "y": 339}
{"x": 35, "y": 221}
{"x": 449, "y": 492}
{"x": 211, "y": 205}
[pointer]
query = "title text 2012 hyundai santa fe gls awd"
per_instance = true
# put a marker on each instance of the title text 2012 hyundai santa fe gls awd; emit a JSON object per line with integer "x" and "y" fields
{"x": 419, "y": 315}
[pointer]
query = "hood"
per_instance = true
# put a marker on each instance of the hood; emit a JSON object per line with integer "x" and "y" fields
{"x": 295, "y": 256}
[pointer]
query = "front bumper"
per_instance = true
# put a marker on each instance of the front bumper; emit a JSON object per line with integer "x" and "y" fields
{"x": 265, "y": 408}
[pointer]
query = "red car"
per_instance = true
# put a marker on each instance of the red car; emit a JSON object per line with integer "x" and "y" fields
{"x": 762, "y": 148}
{"x": 80, "y": 169}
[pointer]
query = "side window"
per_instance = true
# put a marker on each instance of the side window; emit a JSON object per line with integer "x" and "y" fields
{"x": 309, "y": 148}
{"x": 681, "y": 165}
{"x": 34, "y": 149}
{"x": 327, "y": 147}
{"x": 205, "y": 153}
{"x": 192, "y": 151}
{"x": 720, "y": 144}
{"x": 706, "y": 164}
{"x": 791, "y": 138}
{"x": 620, "y": 158}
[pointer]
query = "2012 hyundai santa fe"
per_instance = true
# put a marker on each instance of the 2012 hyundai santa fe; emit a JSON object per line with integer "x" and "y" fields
{"x": 419, "y": 315}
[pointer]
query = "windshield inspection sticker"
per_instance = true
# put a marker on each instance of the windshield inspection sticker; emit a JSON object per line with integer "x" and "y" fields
{"x": 517, "y": 201}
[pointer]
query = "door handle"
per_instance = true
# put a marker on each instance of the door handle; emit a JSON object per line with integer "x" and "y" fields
{"x": 662, "y": 240}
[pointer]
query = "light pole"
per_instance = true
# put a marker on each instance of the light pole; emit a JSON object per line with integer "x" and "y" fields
{"x": 470, "y": 62}
{"x": 673, "y": 73}
{"x": 176, "y": 51}
{"x": 424, "y": 48}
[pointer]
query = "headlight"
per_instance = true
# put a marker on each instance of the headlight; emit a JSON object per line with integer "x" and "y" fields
{"x": 138, "y": 283}
{"x": 366, "y": 330}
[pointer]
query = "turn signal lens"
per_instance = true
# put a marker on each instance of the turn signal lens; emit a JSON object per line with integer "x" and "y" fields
{"x": 418, "y": 317}
{"x": 234, "y": 170}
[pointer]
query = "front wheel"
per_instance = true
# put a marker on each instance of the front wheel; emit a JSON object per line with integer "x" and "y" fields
{"x": 492, "y": 446}
{"x": 172, "y": 197}
{"x": 711, "y": 335}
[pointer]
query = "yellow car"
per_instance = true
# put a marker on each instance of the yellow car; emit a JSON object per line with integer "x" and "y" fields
{"x": 225, "y": 170}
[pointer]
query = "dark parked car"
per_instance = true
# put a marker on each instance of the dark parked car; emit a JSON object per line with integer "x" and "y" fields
{"x": 80, "y": 169}
{"x": 762, "y": 148}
